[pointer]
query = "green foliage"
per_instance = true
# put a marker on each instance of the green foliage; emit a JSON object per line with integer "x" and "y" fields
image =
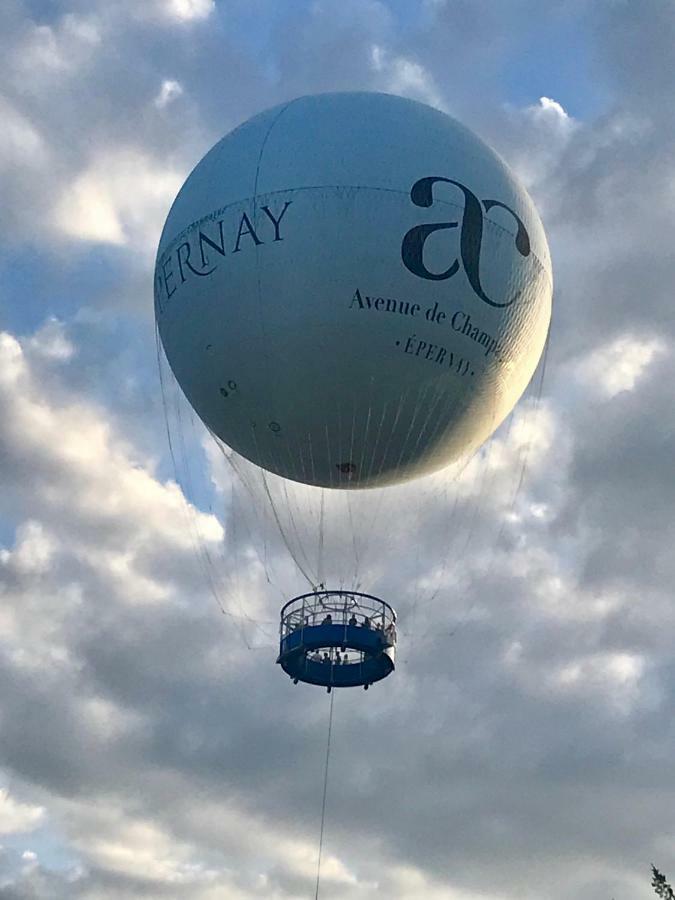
{"x": 661, "y": 886}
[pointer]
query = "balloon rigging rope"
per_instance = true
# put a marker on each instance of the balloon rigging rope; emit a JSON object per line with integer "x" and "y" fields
{"x": 528, "y": 444}
{"x": 174, "y": 461}
{"x": 236, "y": 518}
{"x": 203, "y": 559}
{"x": 430, "y": 394}
{"x": 348, "y": 499}
{"x": 325, "y": 791}
{"x": 298, "y": 505}
{"x": 204, "y": 551}
{"x": 441, "y": 422}
{"x": 421, "y": 397}
{"x": 235, "y": 577}
{"x": 305, "y": 567}
{"x": 277, "y": 519}
{"x": 468, "y": 538}
{"x": 380, "y": 495}
{"x": 202, "y": 555}
{"x": 521, "y": 479}
{"x": 355, "y": 548}
{"x": 320, "y": 567}
{"x": 282, "y": 531}
{"x": 523, "y": 464}
{"x": 245, "y": 483}
{"x": 369, "y": 524}
{"x": 294, "y": 526}
{"x": 368, "y": 465}
{"x": 482, "y": 492}
{"x": 304, "y": 509}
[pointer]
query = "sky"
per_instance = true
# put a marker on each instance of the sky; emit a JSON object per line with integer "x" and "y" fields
{"x": 149, "y": 747}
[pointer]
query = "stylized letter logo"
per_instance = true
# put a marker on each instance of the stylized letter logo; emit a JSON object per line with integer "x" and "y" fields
{"x": 470, "y": 241}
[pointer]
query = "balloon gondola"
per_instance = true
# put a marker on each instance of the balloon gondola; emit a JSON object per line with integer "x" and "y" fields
{"x": 337, "y": 639}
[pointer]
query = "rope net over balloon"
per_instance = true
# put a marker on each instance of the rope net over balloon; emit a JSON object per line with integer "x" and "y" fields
{"x": 422, "y": 545}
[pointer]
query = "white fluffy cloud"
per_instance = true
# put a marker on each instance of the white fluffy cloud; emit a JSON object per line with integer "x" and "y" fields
{"x": 189, "y": 10}
{"x": 169, "y": 92}
{"x": 49, "y": 52}
{"x": 51, "y": 341}
{"x": 120, "y": 198}
{"x": 619, "y": 365}
{"x": 20, "y": 141}
{"x": 400, "y": 75}
{"x": 18, "y": 817}
{"x": 86, "y": 485}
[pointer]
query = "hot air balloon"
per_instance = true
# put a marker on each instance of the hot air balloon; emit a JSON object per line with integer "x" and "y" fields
{"x": 352, "y": 291}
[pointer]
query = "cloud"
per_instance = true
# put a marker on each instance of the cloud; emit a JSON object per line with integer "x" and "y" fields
{"x": 18, "y": 817}
{"x": 51, "y": 341}
{"x": 619, "y": 366}
{"x": 151, "y": 747}
{"x": 399, "y": 75}
{"x": 59, "y": 442}
{"x": 119, "y": 199}
{"x": 55, "y": 52}
{"x": 169, "y": 92}
{"x": 20, "y": 143}
{"x": 188, "y": 10}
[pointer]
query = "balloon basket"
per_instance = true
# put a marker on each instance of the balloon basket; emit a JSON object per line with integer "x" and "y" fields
{"x": 337, "y": 639}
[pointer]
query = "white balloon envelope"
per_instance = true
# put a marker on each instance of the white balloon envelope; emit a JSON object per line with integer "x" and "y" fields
{"x": 352, "y": 290}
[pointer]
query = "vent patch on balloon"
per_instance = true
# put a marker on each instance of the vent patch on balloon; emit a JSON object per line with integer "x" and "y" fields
{"x": 346, "y": 468}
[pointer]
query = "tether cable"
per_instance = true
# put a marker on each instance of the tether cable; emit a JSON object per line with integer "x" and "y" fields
{"x": 325, "y": 791}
